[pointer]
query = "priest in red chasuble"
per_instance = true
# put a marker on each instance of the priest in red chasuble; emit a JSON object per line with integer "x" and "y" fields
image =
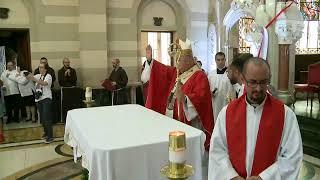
{"x": 182, "y": 92}
{"x": 256, "y": 136}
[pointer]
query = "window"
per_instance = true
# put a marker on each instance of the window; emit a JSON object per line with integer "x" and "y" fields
{"x": 159, "y": 41}
{"x": 245, "y": 25}
{"x": 309, "y": 42}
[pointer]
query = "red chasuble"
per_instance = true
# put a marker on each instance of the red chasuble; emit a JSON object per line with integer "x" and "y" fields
{"x": 198, "y": 91}
{"x": 268, "y": 138}
{"x": 161, "y": 79}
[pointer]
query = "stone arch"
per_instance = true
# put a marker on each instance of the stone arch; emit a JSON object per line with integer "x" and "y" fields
{"x": 179, "y": 9}
{"x": 260, "y": 38}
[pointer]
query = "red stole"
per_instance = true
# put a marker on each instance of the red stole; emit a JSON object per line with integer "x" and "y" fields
{"x": 161, "y": 79}
{"x": 268, "y": 138}
{"x": 198, "y": 91}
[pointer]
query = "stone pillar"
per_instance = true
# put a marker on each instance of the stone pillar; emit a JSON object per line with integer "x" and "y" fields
{"x": 283, "y": 73}
{"x": 288, "y": 29}
{"x": 219, "y": 24}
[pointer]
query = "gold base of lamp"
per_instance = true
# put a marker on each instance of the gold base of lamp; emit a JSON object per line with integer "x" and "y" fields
{"x": 174, "y": 172}
{"x": 88, "y": 103}
{"x": 177, "y": 147}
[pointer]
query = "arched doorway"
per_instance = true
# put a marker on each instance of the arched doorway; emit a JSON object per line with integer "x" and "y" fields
{"x": 173, "y": 26}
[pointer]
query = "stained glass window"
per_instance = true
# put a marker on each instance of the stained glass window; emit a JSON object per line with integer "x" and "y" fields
{"x": 245, "y": 24}
{"x": 310, "y": 9}
{"x": 309, "y": 42}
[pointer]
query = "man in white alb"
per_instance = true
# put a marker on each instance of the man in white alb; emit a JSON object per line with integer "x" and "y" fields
{"x": 256, "y": 136}
{"x": 11, "y": 92}
{"x": 219, "y": 84}
{"x": 146, "y": 71}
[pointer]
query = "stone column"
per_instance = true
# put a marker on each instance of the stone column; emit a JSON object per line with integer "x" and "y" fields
{"x": 219, "y": 24}
{"x": 283, "y": 77}
{"x": 288, "y": 29}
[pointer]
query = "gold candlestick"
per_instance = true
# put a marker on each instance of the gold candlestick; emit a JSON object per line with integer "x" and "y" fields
{"x": 177, "y": 169}
{"x": 174, "y": 51}
{"x": 88, "y": 103}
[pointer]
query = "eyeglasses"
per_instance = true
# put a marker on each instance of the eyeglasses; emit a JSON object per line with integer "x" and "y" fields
{"x": 254, "y": 84}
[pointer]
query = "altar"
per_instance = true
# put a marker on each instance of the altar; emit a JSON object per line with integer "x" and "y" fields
{"x": 128, "y": 142}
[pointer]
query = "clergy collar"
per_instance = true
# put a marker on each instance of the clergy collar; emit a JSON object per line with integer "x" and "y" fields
{"x": 221, "y": 71}
{"x": 149, "y": 62}
{"x": 256, "y": 105}
{"x": 116, "y": 69}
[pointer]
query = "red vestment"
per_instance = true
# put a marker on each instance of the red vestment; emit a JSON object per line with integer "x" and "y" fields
{"x": 196, "y": 88}
{"x": 268, "y": 138}
{"x": 161, "y": 79}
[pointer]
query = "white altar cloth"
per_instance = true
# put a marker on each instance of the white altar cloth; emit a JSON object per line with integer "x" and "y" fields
{"x": 128, "y": 142}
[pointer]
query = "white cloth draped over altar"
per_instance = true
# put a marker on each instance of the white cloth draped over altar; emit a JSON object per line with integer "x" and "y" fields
{"x": 128, "y": 142}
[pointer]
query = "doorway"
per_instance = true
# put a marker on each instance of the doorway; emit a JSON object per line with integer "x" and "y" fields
{"x": 159, "y": 42}
{"x": 17, "y": 45}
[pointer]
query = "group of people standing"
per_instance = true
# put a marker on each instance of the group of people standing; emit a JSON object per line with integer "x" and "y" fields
{"x": 23, "y": 89}
{"x": 249, "y": 133}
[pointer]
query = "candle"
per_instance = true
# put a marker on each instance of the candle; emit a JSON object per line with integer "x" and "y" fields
{"x": 177, "y": 168}
{"x": 177, "y": 156}
{"x": 88, "y": 94}
{"x": 177, "y": 147}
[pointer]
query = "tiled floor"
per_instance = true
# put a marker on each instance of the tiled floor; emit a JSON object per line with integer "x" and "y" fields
{"x": 18, "y": 158}
{"x": 15, "y": 160}
{"x": 302, "y": 109}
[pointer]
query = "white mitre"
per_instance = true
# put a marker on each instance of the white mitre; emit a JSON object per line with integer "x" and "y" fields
{"x": 186, "y": 49}
{"x": 185, "y": 45}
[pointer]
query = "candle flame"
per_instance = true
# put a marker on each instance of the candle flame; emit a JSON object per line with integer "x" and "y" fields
{"x": 177, "y": 133}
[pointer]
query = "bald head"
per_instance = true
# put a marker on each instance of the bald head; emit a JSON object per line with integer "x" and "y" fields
{"x": 66, "y": 62}
{"x": 115, "y": 63}
{"x": 256, "y": 77}
{"x": 256, "y": 62}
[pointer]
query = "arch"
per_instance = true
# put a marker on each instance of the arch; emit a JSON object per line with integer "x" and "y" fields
{"x": 258, "y": 37}
{"x": 158, "y": 9}
{"x": 179, "y": 9}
